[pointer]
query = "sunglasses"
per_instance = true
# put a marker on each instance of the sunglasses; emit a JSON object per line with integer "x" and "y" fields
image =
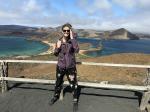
{"x": 66, "y": 30}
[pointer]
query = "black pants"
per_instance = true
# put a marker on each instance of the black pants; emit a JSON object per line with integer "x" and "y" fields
{"x": 71, "y": 74}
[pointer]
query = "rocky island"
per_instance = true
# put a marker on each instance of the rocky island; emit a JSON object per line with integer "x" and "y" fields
{"x": 122, "y": 34}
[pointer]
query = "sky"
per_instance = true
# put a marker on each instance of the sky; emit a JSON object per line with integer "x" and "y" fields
{"x": 133, "y": 15}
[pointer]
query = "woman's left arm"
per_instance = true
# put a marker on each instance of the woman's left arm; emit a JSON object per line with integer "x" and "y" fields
{"x": 73, "y": 39}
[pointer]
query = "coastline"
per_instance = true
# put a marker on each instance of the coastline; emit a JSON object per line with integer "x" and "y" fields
{"x": 50, "y": 49}
{"x": 83, "y": 52}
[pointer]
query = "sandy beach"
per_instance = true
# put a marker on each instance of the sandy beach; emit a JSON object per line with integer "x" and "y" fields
{"x": 83, "y": 52}
{"x": 50, "y": 49}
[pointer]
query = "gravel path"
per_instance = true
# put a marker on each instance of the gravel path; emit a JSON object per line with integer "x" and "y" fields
{"x": 35, "y": 97}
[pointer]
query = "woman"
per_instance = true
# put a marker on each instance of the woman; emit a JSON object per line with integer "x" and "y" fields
{"x": 65, "y": 49}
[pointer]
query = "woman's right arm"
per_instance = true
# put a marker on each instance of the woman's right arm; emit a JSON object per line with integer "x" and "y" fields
{"x": 57, "y": 48}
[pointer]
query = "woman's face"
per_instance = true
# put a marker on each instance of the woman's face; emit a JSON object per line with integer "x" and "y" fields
{"x": 66, "y": 31}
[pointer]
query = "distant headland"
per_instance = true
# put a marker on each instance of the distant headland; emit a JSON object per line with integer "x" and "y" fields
{"x": 52, "y": 34}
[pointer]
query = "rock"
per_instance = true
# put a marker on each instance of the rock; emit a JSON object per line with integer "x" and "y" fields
{"x": 122, "y": 34}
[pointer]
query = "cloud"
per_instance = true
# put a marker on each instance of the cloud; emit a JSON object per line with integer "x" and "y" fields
{"x": 127, "y": 4}
{"x": 133, "y": 4}
{"x": 94, "y": 14}
{"x": 6, "y": 15}
{"x": 95, "y": 6}
{"x": 103, "y": 4}
{"x": 31, "y": 6}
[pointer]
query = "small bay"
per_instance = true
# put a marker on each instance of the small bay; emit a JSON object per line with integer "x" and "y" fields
{"x": 20, "y": 46}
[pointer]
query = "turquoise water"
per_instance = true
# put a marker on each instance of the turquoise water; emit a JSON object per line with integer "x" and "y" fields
{"x": 19, "y": 46}
{"x": 118, "y": 46}
{"x": 16, "y": 46}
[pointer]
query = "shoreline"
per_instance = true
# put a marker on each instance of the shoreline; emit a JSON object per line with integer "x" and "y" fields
{"x": 50, "y": 49}
{"x": 83, "y": 52}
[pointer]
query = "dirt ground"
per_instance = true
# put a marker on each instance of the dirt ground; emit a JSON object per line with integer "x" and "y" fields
{"x": 92, "y": 73}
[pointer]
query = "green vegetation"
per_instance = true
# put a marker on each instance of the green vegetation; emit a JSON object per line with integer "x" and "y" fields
{"x": 85, "y": 46}
{"x": 82, "y": 56}
{"x": 42, "y": 57}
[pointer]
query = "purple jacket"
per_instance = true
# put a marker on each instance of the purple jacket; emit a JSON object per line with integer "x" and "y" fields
{"x": 66, "y": 53}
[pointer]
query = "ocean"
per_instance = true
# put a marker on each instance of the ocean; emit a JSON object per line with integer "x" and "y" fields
{"x": 20, "y": 46}
{"x": 118, "y": 46}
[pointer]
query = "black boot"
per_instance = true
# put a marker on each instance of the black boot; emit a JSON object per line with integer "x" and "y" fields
{"x": 53, "y": 100}
{"x": 75, "y": 105}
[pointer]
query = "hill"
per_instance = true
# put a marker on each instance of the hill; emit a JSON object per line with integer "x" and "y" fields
{"x": 52, "y": 34}
{"x": 17, "y": 30}
{"x": 122, "y": 34}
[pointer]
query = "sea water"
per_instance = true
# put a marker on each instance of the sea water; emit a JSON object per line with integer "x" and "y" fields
{"x": 20, "y": 46}
{"x": 118, "y": 46}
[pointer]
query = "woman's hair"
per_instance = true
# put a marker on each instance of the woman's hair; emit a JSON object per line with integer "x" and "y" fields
{"x": 67, "y": 25}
